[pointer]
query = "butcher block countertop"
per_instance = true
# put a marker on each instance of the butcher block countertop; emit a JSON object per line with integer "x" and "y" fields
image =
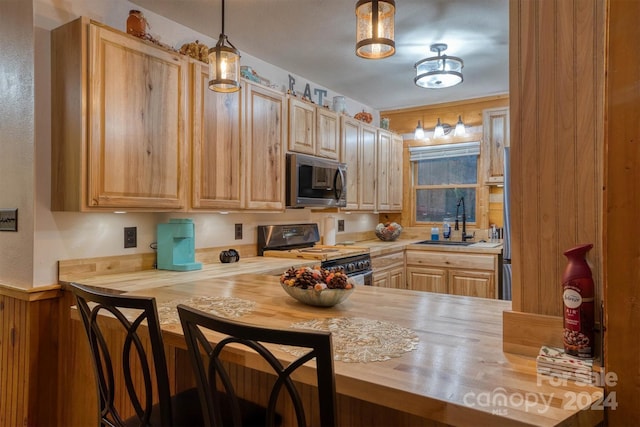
{"x": 378, "y": 247}
{"x": 456, "y": 373}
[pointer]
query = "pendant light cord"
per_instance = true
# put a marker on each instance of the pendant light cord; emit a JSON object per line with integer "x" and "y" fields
{"x": 222, "y": 16}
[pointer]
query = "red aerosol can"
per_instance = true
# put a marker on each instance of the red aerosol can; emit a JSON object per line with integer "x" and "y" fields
{"x": 577, "y": 296}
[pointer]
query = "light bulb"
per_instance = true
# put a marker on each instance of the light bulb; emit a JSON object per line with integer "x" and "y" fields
{"x": 438, "y": 132}
{"x": 460, "y": 129}
{"x": 419, "y": 133}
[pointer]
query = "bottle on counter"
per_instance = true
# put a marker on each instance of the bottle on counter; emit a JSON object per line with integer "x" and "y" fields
{"x": 446, "y": 230}
{"x": 435, "y": 233}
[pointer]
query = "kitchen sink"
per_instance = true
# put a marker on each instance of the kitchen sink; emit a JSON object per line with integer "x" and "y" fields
{"x": 444, "y": 242}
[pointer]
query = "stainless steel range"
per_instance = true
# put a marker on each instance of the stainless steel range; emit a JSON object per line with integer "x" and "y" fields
{"x": 300, "y": 241}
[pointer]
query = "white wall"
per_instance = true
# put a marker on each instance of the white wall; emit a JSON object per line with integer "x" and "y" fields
{"x": 17, "y": 139}
{"x": 69, "y": 235}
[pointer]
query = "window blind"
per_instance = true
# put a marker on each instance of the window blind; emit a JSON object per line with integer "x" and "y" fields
{"x": 430, "y": 152}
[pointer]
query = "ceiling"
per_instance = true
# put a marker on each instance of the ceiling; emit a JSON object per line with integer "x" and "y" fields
{"x": 315, "y": 39}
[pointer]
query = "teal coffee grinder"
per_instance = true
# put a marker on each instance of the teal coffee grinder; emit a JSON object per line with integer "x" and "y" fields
{"x": 176, "y": 245}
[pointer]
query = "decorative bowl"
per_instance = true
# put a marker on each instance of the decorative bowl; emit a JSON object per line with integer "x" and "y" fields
{"x": 388, "y": 231}
{"x": 323, "y": 298}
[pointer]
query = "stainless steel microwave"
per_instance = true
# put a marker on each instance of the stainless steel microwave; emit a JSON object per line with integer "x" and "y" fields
{"x": 315, "y": 181}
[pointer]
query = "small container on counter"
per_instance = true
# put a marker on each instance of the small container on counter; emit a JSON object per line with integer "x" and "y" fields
{"x": 446, "y": 230}
{"x": 435, "y": 233}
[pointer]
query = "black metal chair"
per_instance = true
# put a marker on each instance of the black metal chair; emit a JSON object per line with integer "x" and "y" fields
{"x": 195, "y": 323}
{"x": 129, "y": 314}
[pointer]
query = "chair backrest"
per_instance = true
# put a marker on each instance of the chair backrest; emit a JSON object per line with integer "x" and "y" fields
{"x": 128, "y": 314}
{"x": 195, "y": 323}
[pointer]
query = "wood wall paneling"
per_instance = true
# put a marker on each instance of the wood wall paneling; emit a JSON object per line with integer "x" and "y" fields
{"x": 405, "y": 120}
{"x": 489, "y": 209}
{"x": 556, "y": 71}
{"x": 622, "y": 204}
{"x": 28, "y": 358}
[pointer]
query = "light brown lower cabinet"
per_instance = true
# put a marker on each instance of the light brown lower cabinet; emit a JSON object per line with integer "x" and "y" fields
{"x": 456, "y": 273}
{"x": 428, "y": 279}
{"x": 472, "y": 283}
{"x": 388, "y": 270}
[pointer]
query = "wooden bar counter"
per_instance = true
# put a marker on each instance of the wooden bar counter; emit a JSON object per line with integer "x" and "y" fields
{"x": 456, "y": 375}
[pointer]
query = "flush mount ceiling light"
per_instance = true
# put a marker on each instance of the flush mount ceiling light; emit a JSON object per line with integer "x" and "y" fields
{"x": 438, "y": 71}
{"x": 375, "y": 28}
{"x": 224, "y": 64}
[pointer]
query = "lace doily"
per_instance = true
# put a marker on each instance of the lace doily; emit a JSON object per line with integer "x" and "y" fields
{"x": 220, "y": 306}
{"x": 361, "y": 340}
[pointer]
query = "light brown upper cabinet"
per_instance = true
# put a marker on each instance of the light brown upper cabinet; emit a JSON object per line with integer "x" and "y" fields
{"x": 495, "y": 125}
{"x": 119, "y": 138}
{"x": 350, "y": 154}
{"x": 313, "y": 130}
{"x": 389, "y": 168}
{"x": 217, "y": 170}
{"x": 302, "y": 126}
{"x": 327, "y": 133}
{"x": 395, "y": 173}
{"x": 358, "y": 151}
{"x": 265, "y": 130}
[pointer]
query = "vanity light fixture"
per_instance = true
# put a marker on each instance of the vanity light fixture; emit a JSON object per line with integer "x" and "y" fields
{"x": 419, "y": 133}
{"x": 438, "y": 132}
{"x": 460, "y": 130}
{"x": 224, "y": 64}
{"x": 439, "y": 71}
{"x": 375, "y": 23}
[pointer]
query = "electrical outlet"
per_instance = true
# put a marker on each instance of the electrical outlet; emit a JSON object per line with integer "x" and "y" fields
{"x": 130, "y": 237}
{"x": 341, "y": 225}
{"x": 238, "y": 231}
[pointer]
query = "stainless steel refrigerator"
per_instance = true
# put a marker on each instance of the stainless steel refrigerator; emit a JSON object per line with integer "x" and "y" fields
{"x": 506, "y": 236}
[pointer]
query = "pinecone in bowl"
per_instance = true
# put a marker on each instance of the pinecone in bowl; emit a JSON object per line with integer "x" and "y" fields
{"x": 388, "y": 231}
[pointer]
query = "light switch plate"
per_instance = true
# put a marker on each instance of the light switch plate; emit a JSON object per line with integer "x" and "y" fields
{"x": 341, "y": 225}
{"x": 9, "y": 219}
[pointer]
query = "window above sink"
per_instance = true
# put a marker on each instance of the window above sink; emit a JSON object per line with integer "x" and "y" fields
{"x": 442, "y": 175}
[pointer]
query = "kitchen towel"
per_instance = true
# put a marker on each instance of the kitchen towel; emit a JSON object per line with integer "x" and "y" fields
{"x": 330, "y": 231}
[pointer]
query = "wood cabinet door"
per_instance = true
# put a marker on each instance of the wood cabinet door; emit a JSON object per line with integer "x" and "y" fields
{"x": 397, "y": 278}
{"x": 382, "y": 167}
{"x": 368, "y": 175}
{"x": 427, "y": 279}
{"x": 395, "y": 174}
{"x": 216, "y": 161}
{"x": 265, "y": 135}
{"x": 350, "y": 154}
{"x": 327, "y": 134}
{"x": 381, "y": 280}
{"x": 137, "y": 154}
{"x": 302, "y": 126}
{"x": 472, "y": 283}
{"x": 495, "y": 125}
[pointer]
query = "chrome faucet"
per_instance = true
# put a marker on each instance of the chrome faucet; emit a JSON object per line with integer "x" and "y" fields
{"x": 465, "y": 236}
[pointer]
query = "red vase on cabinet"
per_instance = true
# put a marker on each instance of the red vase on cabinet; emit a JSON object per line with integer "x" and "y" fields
{"x": 136, "y": 24}
{"x": 578, "y": 299}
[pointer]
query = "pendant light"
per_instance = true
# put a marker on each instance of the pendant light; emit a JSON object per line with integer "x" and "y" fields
{"x": 375, "y": 23}
{"x": 419, "y": 133}
{"x": 224, "y": 64}
{"x": 438, "y": 71}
